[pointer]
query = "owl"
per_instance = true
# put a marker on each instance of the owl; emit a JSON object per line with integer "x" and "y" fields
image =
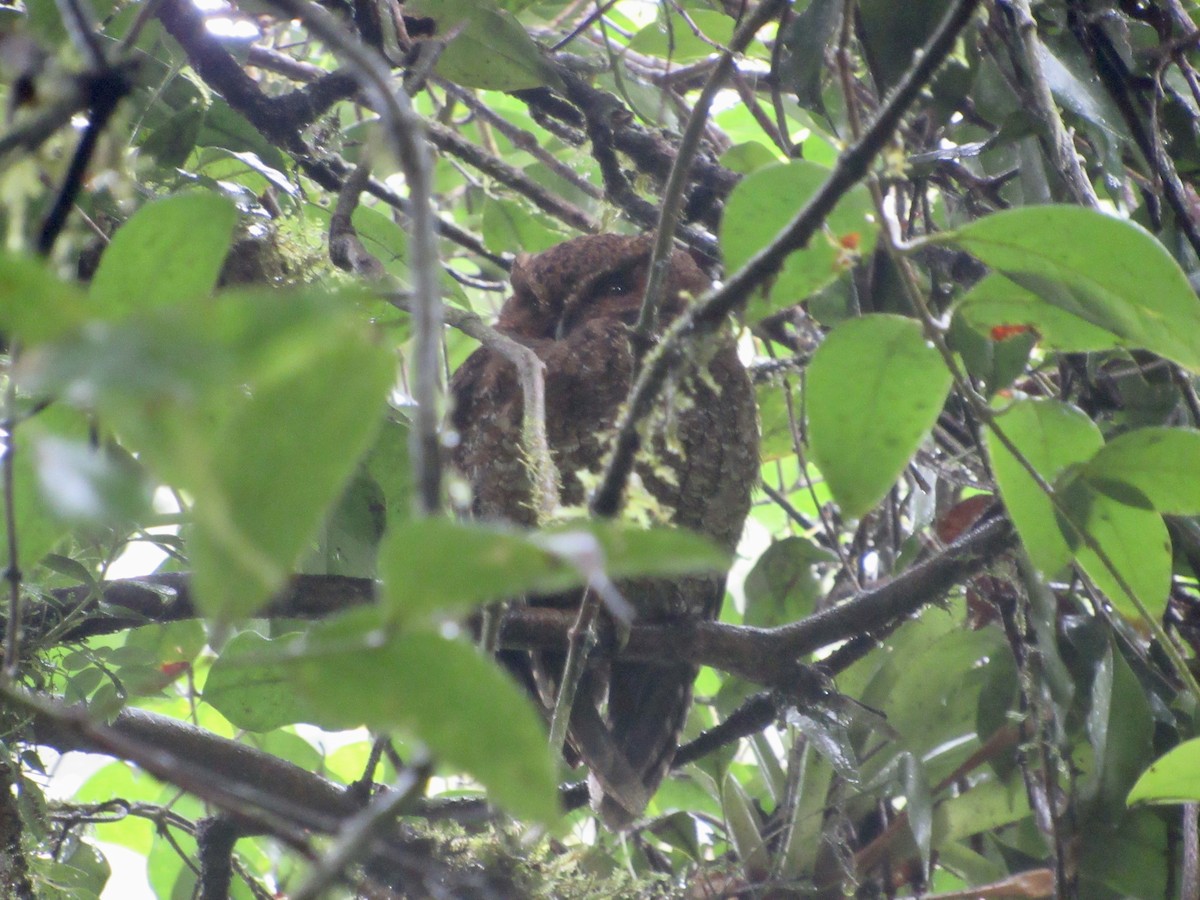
{"x": 574, "y": 305}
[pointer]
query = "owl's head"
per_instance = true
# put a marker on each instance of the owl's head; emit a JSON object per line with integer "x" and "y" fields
{"x": 600, "y": 275}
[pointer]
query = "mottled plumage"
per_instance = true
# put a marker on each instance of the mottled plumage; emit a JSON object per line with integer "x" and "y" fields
{"x": 574, "y": 306}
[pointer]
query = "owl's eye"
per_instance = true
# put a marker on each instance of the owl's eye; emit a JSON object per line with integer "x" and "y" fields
{"x": 619, "y": 281}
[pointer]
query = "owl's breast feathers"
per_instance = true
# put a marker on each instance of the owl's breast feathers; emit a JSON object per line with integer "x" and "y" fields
{"x": 573, "y": 306}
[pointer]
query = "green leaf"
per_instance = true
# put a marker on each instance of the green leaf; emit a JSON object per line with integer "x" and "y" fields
{"x": 918, "y": 804}
{"x": 894, "y": 31}
{"x": 987, "y": 804}
{"x": 1136, "y": 542}
{"x": 171, "y": 142}
{"x": 442, "y": 692}
{"x": 630, "y": 551}
{"x": 388, "y": 464}
{"x": 169, "y": 250}
{"x": 1051, "y": 436}
{"x": 1107, "y": 271}
{"x": 748, "y": 156}
{"x": 36, "y": 306}
{"x": 804, "y": 40}
{"x": 997, "y": 301}
{"x": 348, "y": 542}
{"x": 776, "y": 441}
{"x": 251, "y": 691}
{"x": 433, "y": 565}
{"x": 1161, "y": 464}
{"x": 875, "y": 389}
{"x": 1172, "y": 778}
{"x": 230, "y": 130}
{"x": 277, "y": 462}
{"x": 678, "y": 42}
{"x": 85, "y": 484}
{"x": 765, "y": 201}
{"x": 1120, "y": 729}
{"x": 80, "y": 871}
{"x": 1056, "y": 439}
{"x": 492, "y": 51}
{"x": 997, "y": 363}
{"x": 509, "y": 226}
{"x": 782, "y": 587}
{"x": 743, "y": 829}
{"x": 38, "y": 528}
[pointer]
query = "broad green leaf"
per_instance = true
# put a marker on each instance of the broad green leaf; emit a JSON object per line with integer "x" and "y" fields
{"x": 995, "y": 360}
{"x": 171, "y": 142}
{"x": 230, "y": 130}
{"x": 1107, "y": 271}
{"x": 996, "y": 301}
{"x": 765, "y": 201}
{"x": 1172, "y": 778}
{"x": 250, "y": 691}
{"x": 1051, "y": 436}
{"x": 744, "y": 828}
{"x": 79, "y": 871}
{"x": 776, "y": 440}
{"x": 509, "y": 226}
{"x": 932, "y": 696}
{"x": 630, "y": 551}
{"x": 803, "y": 63}
{"x": 436, "y": 564}
{"x": 85, "y": 484}
{"x": 875, "y": 389}
{"x": 894, "y": 31}
{"x": 387, "y": 462}
{"x": 492, "y": 51}
{"x": 1120, "y": 729}
{"x": 278, "y": 461}
{"x": 748, "y": 156}
{"x": 1126, "y": 861}
{"x": 169, "y": 250}
{"x": 258, "y": 404}
{"x": 782, "y": 586}
{"x": 1136, "y": 542}
{"x": 1056, "y": 439}
{"x": 36, "y": 306}
{"x": 918, "y": 804}
{"x": 433, "y": 565}
{"x": 348, "y": 542}
{"x": 678, "y": 42}
{"x": 38, "y": 527}
{"x": 441, "y": 691}
{"x": 1161, "y": 464}
{"x": 992, "y": 803}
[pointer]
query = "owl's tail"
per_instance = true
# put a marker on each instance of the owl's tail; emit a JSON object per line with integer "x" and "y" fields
{"x": 629, "y": 754}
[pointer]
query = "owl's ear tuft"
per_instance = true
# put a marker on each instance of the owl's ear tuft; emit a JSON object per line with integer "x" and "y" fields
{"x": 527, "y": 281}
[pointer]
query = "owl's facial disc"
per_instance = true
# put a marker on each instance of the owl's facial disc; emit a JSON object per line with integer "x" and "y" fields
{"x": 614, "y": 293}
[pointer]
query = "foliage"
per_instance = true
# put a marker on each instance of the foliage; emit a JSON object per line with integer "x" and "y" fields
{"x": 961, "y": 241}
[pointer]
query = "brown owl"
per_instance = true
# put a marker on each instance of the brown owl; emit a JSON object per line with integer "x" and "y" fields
{"x": 574, "y": 306}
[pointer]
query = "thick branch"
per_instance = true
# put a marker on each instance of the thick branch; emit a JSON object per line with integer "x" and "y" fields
{"x": 260, "y": 792}
{"x": 763, "y": 655}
